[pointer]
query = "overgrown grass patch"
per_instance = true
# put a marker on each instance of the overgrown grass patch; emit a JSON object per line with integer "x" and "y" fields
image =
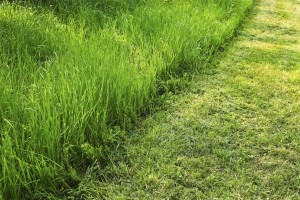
{"x": 75, "y": 75}
{"x": 232, "y": 134}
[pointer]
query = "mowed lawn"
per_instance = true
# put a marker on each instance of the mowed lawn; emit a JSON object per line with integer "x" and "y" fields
{"x": 77, "y": 75}
{"x": 232, "y": 133}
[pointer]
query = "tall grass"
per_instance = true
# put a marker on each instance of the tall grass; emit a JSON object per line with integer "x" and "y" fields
{"x": 75, "y": 74}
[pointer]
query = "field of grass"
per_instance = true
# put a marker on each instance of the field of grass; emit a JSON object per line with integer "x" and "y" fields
{"x": 75, "y": 75}
{"x": 233, "y": 133}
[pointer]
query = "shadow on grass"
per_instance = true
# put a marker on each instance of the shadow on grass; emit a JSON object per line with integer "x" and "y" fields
{"x": 21, "y": 43}
{"x": 93, "y": 12}
{"x": 274, "y": 28}
{"x": 289, "y": 59}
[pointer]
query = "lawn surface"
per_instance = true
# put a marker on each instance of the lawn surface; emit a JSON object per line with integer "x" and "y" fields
{"x": 76, "y": 76}
{"x": 233, "y": 133}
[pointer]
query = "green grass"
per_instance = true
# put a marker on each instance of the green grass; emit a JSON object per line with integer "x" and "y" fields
{"x": 233, "y": 133}
{"x": 76, "y": 75}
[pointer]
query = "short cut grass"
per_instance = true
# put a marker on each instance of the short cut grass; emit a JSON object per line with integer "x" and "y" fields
{"x": 74, "y": 75}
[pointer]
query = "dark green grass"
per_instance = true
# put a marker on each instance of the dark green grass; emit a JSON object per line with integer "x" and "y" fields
{"x": 75, "y": 75}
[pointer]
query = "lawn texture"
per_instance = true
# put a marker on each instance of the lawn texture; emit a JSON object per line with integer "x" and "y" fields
{"x": 77, "y": 75}
{"x": 233, "y": 133}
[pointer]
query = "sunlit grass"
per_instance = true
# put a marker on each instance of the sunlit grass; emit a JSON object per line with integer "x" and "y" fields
{"x": 74, "y": 75}
{"x": 232, "y": 134}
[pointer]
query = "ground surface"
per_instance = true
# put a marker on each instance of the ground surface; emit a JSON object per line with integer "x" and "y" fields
{"x": 233, "y": 134}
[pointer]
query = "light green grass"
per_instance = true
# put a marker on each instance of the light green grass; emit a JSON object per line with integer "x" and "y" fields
{"x": 232, "y": 134}
{"x": 75, "y": 75}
